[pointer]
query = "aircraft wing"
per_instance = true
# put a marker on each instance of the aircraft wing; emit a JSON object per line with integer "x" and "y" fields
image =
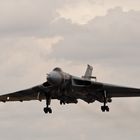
{"x": 34, "y": 93}
{"x": 119, "y": 91}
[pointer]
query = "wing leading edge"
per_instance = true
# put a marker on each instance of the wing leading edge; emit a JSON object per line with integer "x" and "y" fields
{"x": 115, "y": 91}
{"x": 34, "y": 93}
{"x": 119, "y": 91}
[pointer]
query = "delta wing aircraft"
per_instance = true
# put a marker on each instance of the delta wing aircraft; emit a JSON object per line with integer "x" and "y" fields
{"x": 68, "y": 89}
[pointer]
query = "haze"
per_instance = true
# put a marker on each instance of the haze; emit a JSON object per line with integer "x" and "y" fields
{"x": 36, "y": 36}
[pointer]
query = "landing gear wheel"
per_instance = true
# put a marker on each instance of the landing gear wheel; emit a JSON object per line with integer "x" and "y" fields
{"x": 105, "y": 108}
{"x": 62, "y": 102}
{"x": 47, "y": 110}
{"x": 50, "y": 110}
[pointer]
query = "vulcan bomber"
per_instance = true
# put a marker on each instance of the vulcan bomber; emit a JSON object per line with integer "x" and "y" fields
{"x": 68, "y": 89}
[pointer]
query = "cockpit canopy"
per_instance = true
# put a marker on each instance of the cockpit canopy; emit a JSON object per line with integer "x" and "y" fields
{"x": 57, "y": 69}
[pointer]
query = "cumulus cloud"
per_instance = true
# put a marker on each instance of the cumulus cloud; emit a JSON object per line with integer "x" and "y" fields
{"x": 86, "y": 10}
{"x": 116, "y": 31}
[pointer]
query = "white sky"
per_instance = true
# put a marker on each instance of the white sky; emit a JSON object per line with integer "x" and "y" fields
{"x": 36, "y": 36}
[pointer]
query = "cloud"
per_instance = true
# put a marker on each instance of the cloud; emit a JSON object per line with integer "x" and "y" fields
{"x": 84, "y": 11}
{"x": 102, "y": 38}
{"x": 34, "y": 39}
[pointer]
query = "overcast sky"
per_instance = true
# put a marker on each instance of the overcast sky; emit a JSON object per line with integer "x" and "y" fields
{"x": 38, "y": 35}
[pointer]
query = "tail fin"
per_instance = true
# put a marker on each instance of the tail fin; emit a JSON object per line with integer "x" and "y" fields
{"x": 88, "y": 73}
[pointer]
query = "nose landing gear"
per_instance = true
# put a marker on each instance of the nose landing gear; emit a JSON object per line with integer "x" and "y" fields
{"x": 47, "y": 109}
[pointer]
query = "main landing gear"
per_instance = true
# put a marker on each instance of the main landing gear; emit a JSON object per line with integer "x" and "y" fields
{"x": 47, "y": 109}
{"x": 105, "y": 107}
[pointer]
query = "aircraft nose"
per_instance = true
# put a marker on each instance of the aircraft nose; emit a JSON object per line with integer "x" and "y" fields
{"x": 48, "y": 77}
{"x": 55, "y": 78}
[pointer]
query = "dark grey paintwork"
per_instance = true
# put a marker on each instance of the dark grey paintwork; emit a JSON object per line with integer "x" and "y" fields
{"x": 68, "y": 89}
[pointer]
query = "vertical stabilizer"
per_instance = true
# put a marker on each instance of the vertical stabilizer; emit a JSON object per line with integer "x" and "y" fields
{"x": 88, "y": 73}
